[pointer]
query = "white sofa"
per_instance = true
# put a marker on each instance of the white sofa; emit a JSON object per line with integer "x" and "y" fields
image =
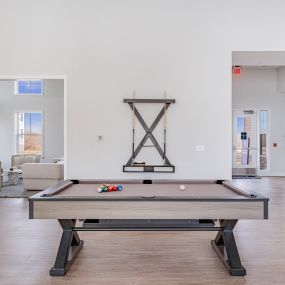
{"x": 18, "y": 160}
{"x": 39, "y": 176}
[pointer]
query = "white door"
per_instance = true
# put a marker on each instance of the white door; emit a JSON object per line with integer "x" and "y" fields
{"x": 244, "y": 142}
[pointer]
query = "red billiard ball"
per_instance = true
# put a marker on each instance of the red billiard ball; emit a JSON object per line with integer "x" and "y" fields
{"x": 114, "y": 188}
{"x": 110, "y": 189}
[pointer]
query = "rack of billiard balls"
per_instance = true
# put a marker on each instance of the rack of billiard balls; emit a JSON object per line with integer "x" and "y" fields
{"x": 109, "y": 188}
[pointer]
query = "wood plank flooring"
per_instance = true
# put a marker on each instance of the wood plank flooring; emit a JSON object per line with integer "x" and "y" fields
{"x": 28, "y": 248}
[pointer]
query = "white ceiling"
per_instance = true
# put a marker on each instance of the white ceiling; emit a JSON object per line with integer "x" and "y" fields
{"x": 259, "y": 59}
{"x": 261, "y": 66}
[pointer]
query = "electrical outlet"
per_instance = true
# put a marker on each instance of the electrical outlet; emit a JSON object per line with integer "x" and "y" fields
{"x": 200, "y": 148}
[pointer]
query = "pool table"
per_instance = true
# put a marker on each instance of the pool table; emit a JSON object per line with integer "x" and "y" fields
{"x": 148, "y": 205}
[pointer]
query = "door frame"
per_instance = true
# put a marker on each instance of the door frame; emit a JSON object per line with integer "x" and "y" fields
{"x": 259, "y": 172}
{"x": 65, "y": 99}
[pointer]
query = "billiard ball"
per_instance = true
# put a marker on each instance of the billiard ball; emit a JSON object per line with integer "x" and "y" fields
{"x": 105, "y": 189}
{"x": 114, "y": 187}
{"x": 99, "y": 189}
{"x": 120, "y": 187}
{"x": 182, "y": 187}
{"x": 110, "y": 188}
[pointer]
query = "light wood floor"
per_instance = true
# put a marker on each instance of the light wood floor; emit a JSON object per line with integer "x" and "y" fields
{"x": 28, "y": 249}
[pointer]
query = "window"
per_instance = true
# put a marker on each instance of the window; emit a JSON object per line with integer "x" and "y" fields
{"x": 244, "y": 136}
{"x": 29, "y": 133}
{"x": 28, "y": 87}
{"x": 263, "y": 139}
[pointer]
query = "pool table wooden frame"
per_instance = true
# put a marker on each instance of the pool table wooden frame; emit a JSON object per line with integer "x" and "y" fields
{"x": 125, "y": 211}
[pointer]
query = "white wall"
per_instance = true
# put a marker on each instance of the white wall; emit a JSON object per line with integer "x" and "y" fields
{"x": 108, "y": 48}
{"x": 257, "y": 89}
{"x": 281, "y": 79}
{"x": 52, "y": 106}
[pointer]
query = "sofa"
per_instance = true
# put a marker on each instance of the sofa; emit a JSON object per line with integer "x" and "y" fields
{"x": 39, "y": 176}
{"x": 19, "y": 159}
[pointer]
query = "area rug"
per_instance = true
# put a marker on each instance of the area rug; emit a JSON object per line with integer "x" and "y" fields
{"x": 15, "y": 191}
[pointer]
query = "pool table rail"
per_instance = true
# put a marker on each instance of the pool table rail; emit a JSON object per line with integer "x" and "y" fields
{"x": 49, "y": 204}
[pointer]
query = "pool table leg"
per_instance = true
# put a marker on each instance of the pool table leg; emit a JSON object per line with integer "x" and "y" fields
{"x": 69, "y": 248}
{"x": 226, "y": 248}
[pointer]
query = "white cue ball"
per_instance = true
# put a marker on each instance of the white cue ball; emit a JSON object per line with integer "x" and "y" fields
{"x": 182, "y": 187}
{"x": 99, "y": 189}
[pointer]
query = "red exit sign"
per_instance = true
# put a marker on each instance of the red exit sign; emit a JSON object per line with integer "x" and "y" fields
{"x": 236, "y": 70}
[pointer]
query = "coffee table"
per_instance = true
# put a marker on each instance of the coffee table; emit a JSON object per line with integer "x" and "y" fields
{"x": 13, "y": 176}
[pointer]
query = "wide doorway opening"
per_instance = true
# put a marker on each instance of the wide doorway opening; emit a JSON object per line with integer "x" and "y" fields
{"x": 258, "y": 106}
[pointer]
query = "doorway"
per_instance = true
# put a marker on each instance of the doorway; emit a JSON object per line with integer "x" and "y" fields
{"x": 32, "y": 124}
{"x": 258, "y": 104}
